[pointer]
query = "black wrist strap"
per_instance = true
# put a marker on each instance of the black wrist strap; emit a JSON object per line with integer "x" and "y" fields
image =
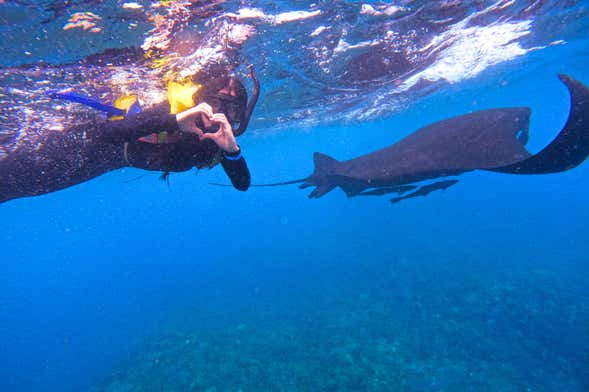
{"x": 233, "y": 156}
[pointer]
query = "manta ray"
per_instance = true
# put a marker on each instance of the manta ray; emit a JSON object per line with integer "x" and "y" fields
{"x": 492, "y": 140}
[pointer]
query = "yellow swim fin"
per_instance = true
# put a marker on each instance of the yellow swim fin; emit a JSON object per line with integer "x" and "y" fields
{"x": 128, "y": 103}
{"x": 180, "y": 96}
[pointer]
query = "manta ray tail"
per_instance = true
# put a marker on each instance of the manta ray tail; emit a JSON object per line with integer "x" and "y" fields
{"x": 265, "y": 185}
{"x": 325, "y": 169}
{"x": 321, "y": 161}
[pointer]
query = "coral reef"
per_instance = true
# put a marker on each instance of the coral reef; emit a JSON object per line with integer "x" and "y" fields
{"x": 442, "y": 325}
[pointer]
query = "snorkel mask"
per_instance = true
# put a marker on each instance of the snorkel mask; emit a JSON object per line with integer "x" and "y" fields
{"x": 232, "y": 105}
{"x": 228, "y": 104}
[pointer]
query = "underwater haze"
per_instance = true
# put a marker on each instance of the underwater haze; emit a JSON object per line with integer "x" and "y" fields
{"x": 126, "y": 283}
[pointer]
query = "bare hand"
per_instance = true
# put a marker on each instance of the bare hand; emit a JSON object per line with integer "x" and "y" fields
{"x": 224, "y": 137}
{"x": 187, "y": 119}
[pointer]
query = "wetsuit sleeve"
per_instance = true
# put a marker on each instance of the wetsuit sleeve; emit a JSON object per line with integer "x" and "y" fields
{"x": 236, "y": 168}
{"x": 154, "y": 120}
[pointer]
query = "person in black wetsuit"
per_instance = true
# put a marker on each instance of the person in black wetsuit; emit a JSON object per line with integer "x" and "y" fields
{"x": 202, "y": 136}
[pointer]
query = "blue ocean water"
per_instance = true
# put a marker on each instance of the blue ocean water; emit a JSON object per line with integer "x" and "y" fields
{"x": 139, "y": 286}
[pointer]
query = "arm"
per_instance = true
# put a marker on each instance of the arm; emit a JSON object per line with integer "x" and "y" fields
{"x": 154, "y": 120}
{"x": 236, "y": 168}
{"x": 233, "y": 163}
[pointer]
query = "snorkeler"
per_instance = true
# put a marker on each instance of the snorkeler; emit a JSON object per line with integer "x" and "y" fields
{"x": 201, "y": 136}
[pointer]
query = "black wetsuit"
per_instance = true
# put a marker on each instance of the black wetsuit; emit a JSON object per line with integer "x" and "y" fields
{"x": 62, "y": 158}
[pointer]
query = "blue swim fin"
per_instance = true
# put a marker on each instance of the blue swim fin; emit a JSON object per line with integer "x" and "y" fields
{"x": 73, "y": 97}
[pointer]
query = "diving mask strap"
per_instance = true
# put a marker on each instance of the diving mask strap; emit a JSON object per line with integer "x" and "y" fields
{"x": 251, "y": 104}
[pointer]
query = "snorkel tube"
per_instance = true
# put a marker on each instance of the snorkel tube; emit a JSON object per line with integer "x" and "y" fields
{"x": 251, "y": 104}
{"x": 123, "y": 106}
{"x": 74, "y": 97}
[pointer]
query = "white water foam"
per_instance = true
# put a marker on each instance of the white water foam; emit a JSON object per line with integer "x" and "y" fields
{"x": 467, "y": 51}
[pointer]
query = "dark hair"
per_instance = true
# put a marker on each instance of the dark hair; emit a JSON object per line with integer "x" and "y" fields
{"x": 233, "y": 106}
{"x": 241, "y": 110}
